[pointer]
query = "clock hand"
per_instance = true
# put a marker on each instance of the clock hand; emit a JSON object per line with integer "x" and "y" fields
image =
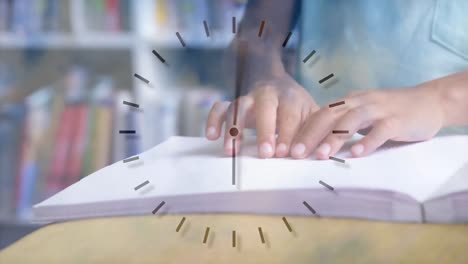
{"x": 234, "y": 131}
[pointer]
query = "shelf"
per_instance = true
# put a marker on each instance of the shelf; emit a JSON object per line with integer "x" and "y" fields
{"x": 106, "y": 40}
{"x": 94, "y": 40}
{"x": 170, "y": 40}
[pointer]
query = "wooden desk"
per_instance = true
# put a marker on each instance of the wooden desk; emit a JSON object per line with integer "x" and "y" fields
{"x": 153, "y": 239}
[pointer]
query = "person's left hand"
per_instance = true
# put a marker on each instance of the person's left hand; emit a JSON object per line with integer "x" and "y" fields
{"x": 407, "y": 114}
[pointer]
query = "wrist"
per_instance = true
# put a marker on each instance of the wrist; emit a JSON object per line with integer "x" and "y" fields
{"x": 452, "y": 97}
{"x": 263, "y": 60}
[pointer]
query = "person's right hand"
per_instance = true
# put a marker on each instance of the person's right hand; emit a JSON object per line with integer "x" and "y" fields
{"x": 278, "y": 105}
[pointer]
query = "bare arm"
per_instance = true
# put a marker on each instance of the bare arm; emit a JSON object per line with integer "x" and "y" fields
{"x": 453, "y": 91}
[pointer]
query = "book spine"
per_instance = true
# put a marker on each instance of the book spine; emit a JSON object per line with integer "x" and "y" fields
{"x": 4, "y": 8}
{"x": 125, "y": 15}
{"x": 7, "y": 165}
{"x": 29, "y": 175}
{"x": 60, "y": 157}
{"x": 19, "y": 19}
{"x": 104, "y": 129}
{"x": 47, "y": 145}
{"x": 11, "y": 121}
{"x": 113, "y": 15}
{"x": 91, "y": 143}
{"x": 52, "y": 16}
{"x": 78, "y": 144}
{"x": 23, "y": 159}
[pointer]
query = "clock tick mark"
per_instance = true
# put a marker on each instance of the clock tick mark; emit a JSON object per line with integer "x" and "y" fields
{"x": 233, "y": 25}
{"x": 308, "y": 56}
{"x": 207, "y": 232}
{"x": 340, "y": 131}
{"x": 127, "y": 132}
{"x": 327, "y": 186}
{"x": 260, "y": 31}
{"x": 262, "y": 238}
{"x": 141, "y": 185}
{"x": 181, "y": 40}
{"x": 309, "y": 207}
{"x": 179, "y": 226}
{"x": 141, "y": 78}
{"x": 336, "y": 104}
{"x": 288, "y": 226}
{"x": 159, "y": 56}
{"x": 328, "y": 77}
{"x": 131, "y": 159}
{"x": 131, "y": 104}
{"x": 287, "y": 39}
{"x": 337, "y": 159}
{"x": 234, "y": 238}
{"x": 207, "y": 30}
{"x": 158, "y": 207}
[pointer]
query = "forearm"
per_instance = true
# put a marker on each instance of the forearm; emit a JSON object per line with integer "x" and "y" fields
{"x": 264, "y": 58}
{"x": 453, "y": 91}
{"x": 279, "y": 17}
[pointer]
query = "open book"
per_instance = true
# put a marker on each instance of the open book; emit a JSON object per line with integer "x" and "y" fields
{"x": 419, "y": 182}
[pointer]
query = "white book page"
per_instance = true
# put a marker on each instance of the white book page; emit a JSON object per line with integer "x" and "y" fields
{"x": 458, "y": 182}
{"x": 184, "y": 166}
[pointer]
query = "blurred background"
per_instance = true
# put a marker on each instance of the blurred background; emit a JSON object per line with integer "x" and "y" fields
{"x": 66, "y": 66}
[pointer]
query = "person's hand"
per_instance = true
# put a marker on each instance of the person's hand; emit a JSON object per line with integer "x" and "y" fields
{"x": 408, "y": 114}
{"x": 278, "y": 105}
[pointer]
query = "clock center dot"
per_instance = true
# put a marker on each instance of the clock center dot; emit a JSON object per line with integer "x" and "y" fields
{"x": 234, "y": 132}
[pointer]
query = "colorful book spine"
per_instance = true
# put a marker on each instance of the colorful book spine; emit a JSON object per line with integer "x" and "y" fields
{"x": 4, "y": 15}
{"x": 103, "y": 130}
{"x": 91, "y": 143}
{"x": 11, "y": 121}
{"x": 125, "y": 15}
{"x": 78, "y": 143}
{"x": 61, "y": 151}
{"x": 51, "y": 16}
{"x": 113, "y": 15}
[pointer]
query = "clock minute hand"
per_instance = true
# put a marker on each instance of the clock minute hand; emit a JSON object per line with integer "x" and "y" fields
{"x": 234, "y": 131}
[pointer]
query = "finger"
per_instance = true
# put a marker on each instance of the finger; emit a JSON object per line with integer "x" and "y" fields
{"x": 345, "y": 128}
{"x": 236, "y": 117}
{"x": 216, "y": 118}
{"x": 266, "y": 105}
{"x": 380, "y": 133}
{"x": 288, "y": 122}
{"x": 313, "y": 132}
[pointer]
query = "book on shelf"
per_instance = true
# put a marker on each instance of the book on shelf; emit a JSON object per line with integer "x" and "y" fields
{"x": 59, "y": 134}
{"x": 11, "y": 123}
{"x": 35, "y": 128}
{"x": 29, "y": 17}
{"x": 163, "y": 18}
{"x": 104, "y": 15}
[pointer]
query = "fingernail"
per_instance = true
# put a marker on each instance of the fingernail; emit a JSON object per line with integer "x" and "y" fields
{"x": 281, "y": 149}
{"x": 324, "y": 150}
{"x": 211, "y": 132}
{"x": 357, "y": 149}
{"x": 298, "y": 150}
{"x": 266, "y": 150}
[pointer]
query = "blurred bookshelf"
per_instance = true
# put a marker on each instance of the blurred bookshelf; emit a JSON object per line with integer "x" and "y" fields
{"x": 66, "y": 66}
